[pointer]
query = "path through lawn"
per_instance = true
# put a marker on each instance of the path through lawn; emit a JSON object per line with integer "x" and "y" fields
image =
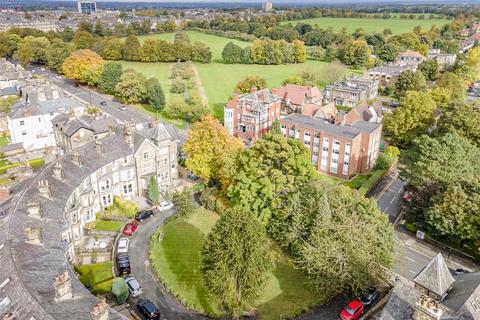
{"x": 176, "y": 259}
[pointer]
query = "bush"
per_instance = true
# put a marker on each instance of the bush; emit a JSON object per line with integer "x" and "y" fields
{"x": 120, "y": 290}
{"x": 178, "y": 86}
{"x": 207, "y": 199}
{"x": 125, "y": 208}
{"x": 411, "y": 227}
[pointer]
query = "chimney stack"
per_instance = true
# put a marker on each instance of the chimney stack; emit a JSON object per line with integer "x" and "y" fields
{"x": 58, "y": 171}
{"x": 427, "y": 308}
{"x": 76, "y": 158}
{"x": 34, "y": 210}
{"x": 33, "y": 235}
{"x": 99, "y": 147}
{"x": 44, "y": 189}
{"x": 100, "y": 310}
{"x": 63, "y": 286}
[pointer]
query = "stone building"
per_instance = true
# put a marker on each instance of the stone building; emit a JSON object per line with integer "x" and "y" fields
{"x": 351, "y": 91}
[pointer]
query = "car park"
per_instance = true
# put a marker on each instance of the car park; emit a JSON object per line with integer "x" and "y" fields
{"x": 164, "y": 206}
{"x": 122, "y": 245}
{"x": 130, "y": 228}
{"x": 144, "y": 214}
{"x": 133, "y": 286}
{"x": 123, "y": 264}
{"x": 353, "y": 310}
{"x": 148, "y": 310}
{"x": 369, "y": 297}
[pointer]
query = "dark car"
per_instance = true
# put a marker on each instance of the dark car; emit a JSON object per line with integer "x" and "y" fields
{"x": 123, "y": 264}
{"x": 148, "y": 309}
{"x": 459, "y": 271}
{"x": 103, "y": 103}
{"x": 369, "y": 297}
{"x": 193, "y": 177}
{"x": 142, "y": 215}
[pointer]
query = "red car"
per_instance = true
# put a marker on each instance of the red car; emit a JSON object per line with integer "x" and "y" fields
{"x": 130, "y": 228}
{"x": 352, "y": 311}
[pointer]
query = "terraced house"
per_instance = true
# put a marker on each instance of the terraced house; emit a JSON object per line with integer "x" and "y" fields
{"x": 351, "y": 91}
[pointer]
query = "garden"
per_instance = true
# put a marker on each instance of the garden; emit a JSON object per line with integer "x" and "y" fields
{"x": 175, "y": 253}
{"x": 97, "y": 277}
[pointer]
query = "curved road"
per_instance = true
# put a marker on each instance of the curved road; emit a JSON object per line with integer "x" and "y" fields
{"x": 169, "y": 307}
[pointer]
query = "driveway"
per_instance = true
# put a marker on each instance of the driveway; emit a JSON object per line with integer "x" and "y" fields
{"x": 169, "y": 307}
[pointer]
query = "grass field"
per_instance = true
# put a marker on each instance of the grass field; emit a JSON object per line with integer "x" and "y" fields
{"x": 371, "y": 25}
{"x": 176, "y": 259}
{"x": 217, "y": 78}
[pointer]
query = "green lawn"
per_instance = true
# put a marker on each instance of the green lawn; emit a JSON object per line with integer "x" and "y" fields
{"x": 220, "y": 79}
{"x": 372, "y": 25}
{"x": 176, "y": 259}
{"x": 104, "y": 225}
{"x": 98, "y": 276}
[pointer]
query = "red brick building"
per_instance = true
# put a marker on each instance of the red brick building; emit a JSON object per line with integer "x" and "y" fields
{"x": 296, "y": 97}
{"x": 341, "y": 147}
{"x": 249, "y": 116}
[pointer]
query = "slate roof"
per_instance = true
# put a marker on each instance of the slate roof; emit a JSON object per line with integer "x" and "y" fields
{"x": 26, "y": 109}
{"x": 347, "y": 131}
{"x": 463, "y": 287}
{"x": 33, "y": 268}
{"x": 391, "y": 69}
{"x": 435, "y": 276}
{"x": 159, "y": 132}
{"x": 70, "y": 126}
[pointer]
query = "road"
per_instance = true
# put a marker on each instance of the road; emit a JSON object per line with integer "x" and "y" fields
{"x": 169, "y": 306}
{"x": 91, "y": 97}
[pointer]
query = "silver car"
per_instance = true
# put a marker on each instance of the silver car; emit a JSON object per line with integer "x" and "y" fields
{"x": 133, "y": 286}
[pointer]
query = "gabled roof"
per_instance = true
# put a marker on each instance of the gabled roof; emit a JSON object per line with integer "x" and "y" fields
{"x": 297, "y": 94}
{"x": 435, "y": 276}
{"x": 411, "y": 53}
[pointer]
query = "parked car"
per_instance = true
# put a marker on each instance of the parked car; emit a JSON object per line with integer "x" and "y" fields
{"x": 352, "y": 310}
{"x": 144, "y": 214}
{"x": 133, "y": 286}
{"x": 407, "y": 196}
{"x": 459, "y": 271}
{"x": 122, "y": 245}
{"x": 193, "y": 177}
{"x": 148, "y": 309}
{"x": 123, "y": 108}
{"x": 130, "y": 228}
{"x": 369, "y": 297}
{"x": 123, "y": 264}
{"x": 164, "y": 206}
{"x": 103, "y": 103}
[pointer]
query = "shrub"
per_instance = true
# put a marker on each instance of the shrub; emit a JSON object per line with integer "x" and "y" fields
{"x": 411, "y": 227}
{"x": 125, "y": 208}
{"x": 120, "y": 290}
{"x": 178, "y": 86}
{"x": 207, "y": 199}
{"x": 184, "y": 202}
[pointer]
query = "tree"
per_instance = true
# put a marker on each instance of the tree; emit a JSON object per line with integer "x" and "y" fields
{"x": 430, "y": 69}
{"x": 246, "y": 85}
{"x": 269, "y": 171}
{"x": 83, "y": 39}
{"x": 155, "y": 96}
{"x": 356, "y": 54}
{"x": 32, "y": 50}
{"x": 211, "y": 150}
{"x": 409, "y": 81}
{"x": 388, "y": 52}
{"x": 236, "y": 259}
{"x": 473, "y": 61}
{"x": 454, "y": 84}
{"x": 153, "y": 193}
{"x": 131, "y": 50}
{"x": 184, "y": 201}
{"x": 57, "y": 53}
{"x": 8, "y": 43}
{"x": 276, "y": 127}
{"x": 413, "y": 117}
{"x": 440, "y": 160}
{"x": 350, "y": 243}
{"x": 334, "y": 71}
{"x": 113, "y": 49}
{"x": 84, "y": 66}
{"x": 293, "y": 80}
{"x": 110, "y": 77}
{"x": 232, "y": 53}
{"x": 119, "y": 290}
{"x": 132, "y": 87}
{"x": 463, "y": 120}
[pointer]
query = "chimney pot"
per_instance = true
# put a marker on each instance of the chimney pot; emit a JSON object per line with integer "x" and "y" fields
{"x": 63, "y": 286}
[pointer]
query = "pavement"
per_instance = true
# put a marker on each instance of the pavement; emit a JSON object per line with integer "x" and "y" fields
{"x": 169, "y": 306}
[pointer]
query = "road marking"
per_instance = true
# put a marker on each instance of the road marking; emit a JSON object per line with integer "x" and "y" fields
{"x": 408, "y": 258}
{"x": 411, "y": 271}
{"x": 410, "y": 248}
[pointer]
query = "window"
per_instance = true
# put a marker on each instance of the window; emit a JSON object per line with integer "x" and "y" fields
{"x": 22, "y": 123}
{"x": 107, "y": 200}
{"x": 51, "y": 114}
{"x": 145, "y": 155}
{"x": 127, "y": 188}
{"x": 24, "y": 133}
{"x": 39, "y": 119}
{"x": 105, "y": 185}
{"x": 74, "y": 217}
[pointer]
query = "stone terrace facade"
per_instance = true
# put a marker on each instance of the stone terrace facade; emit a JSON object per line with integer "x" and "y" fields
{"x": 249, "y": 116}
{"x": 45, "y": 221}
{"x": 351, "y": 92}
